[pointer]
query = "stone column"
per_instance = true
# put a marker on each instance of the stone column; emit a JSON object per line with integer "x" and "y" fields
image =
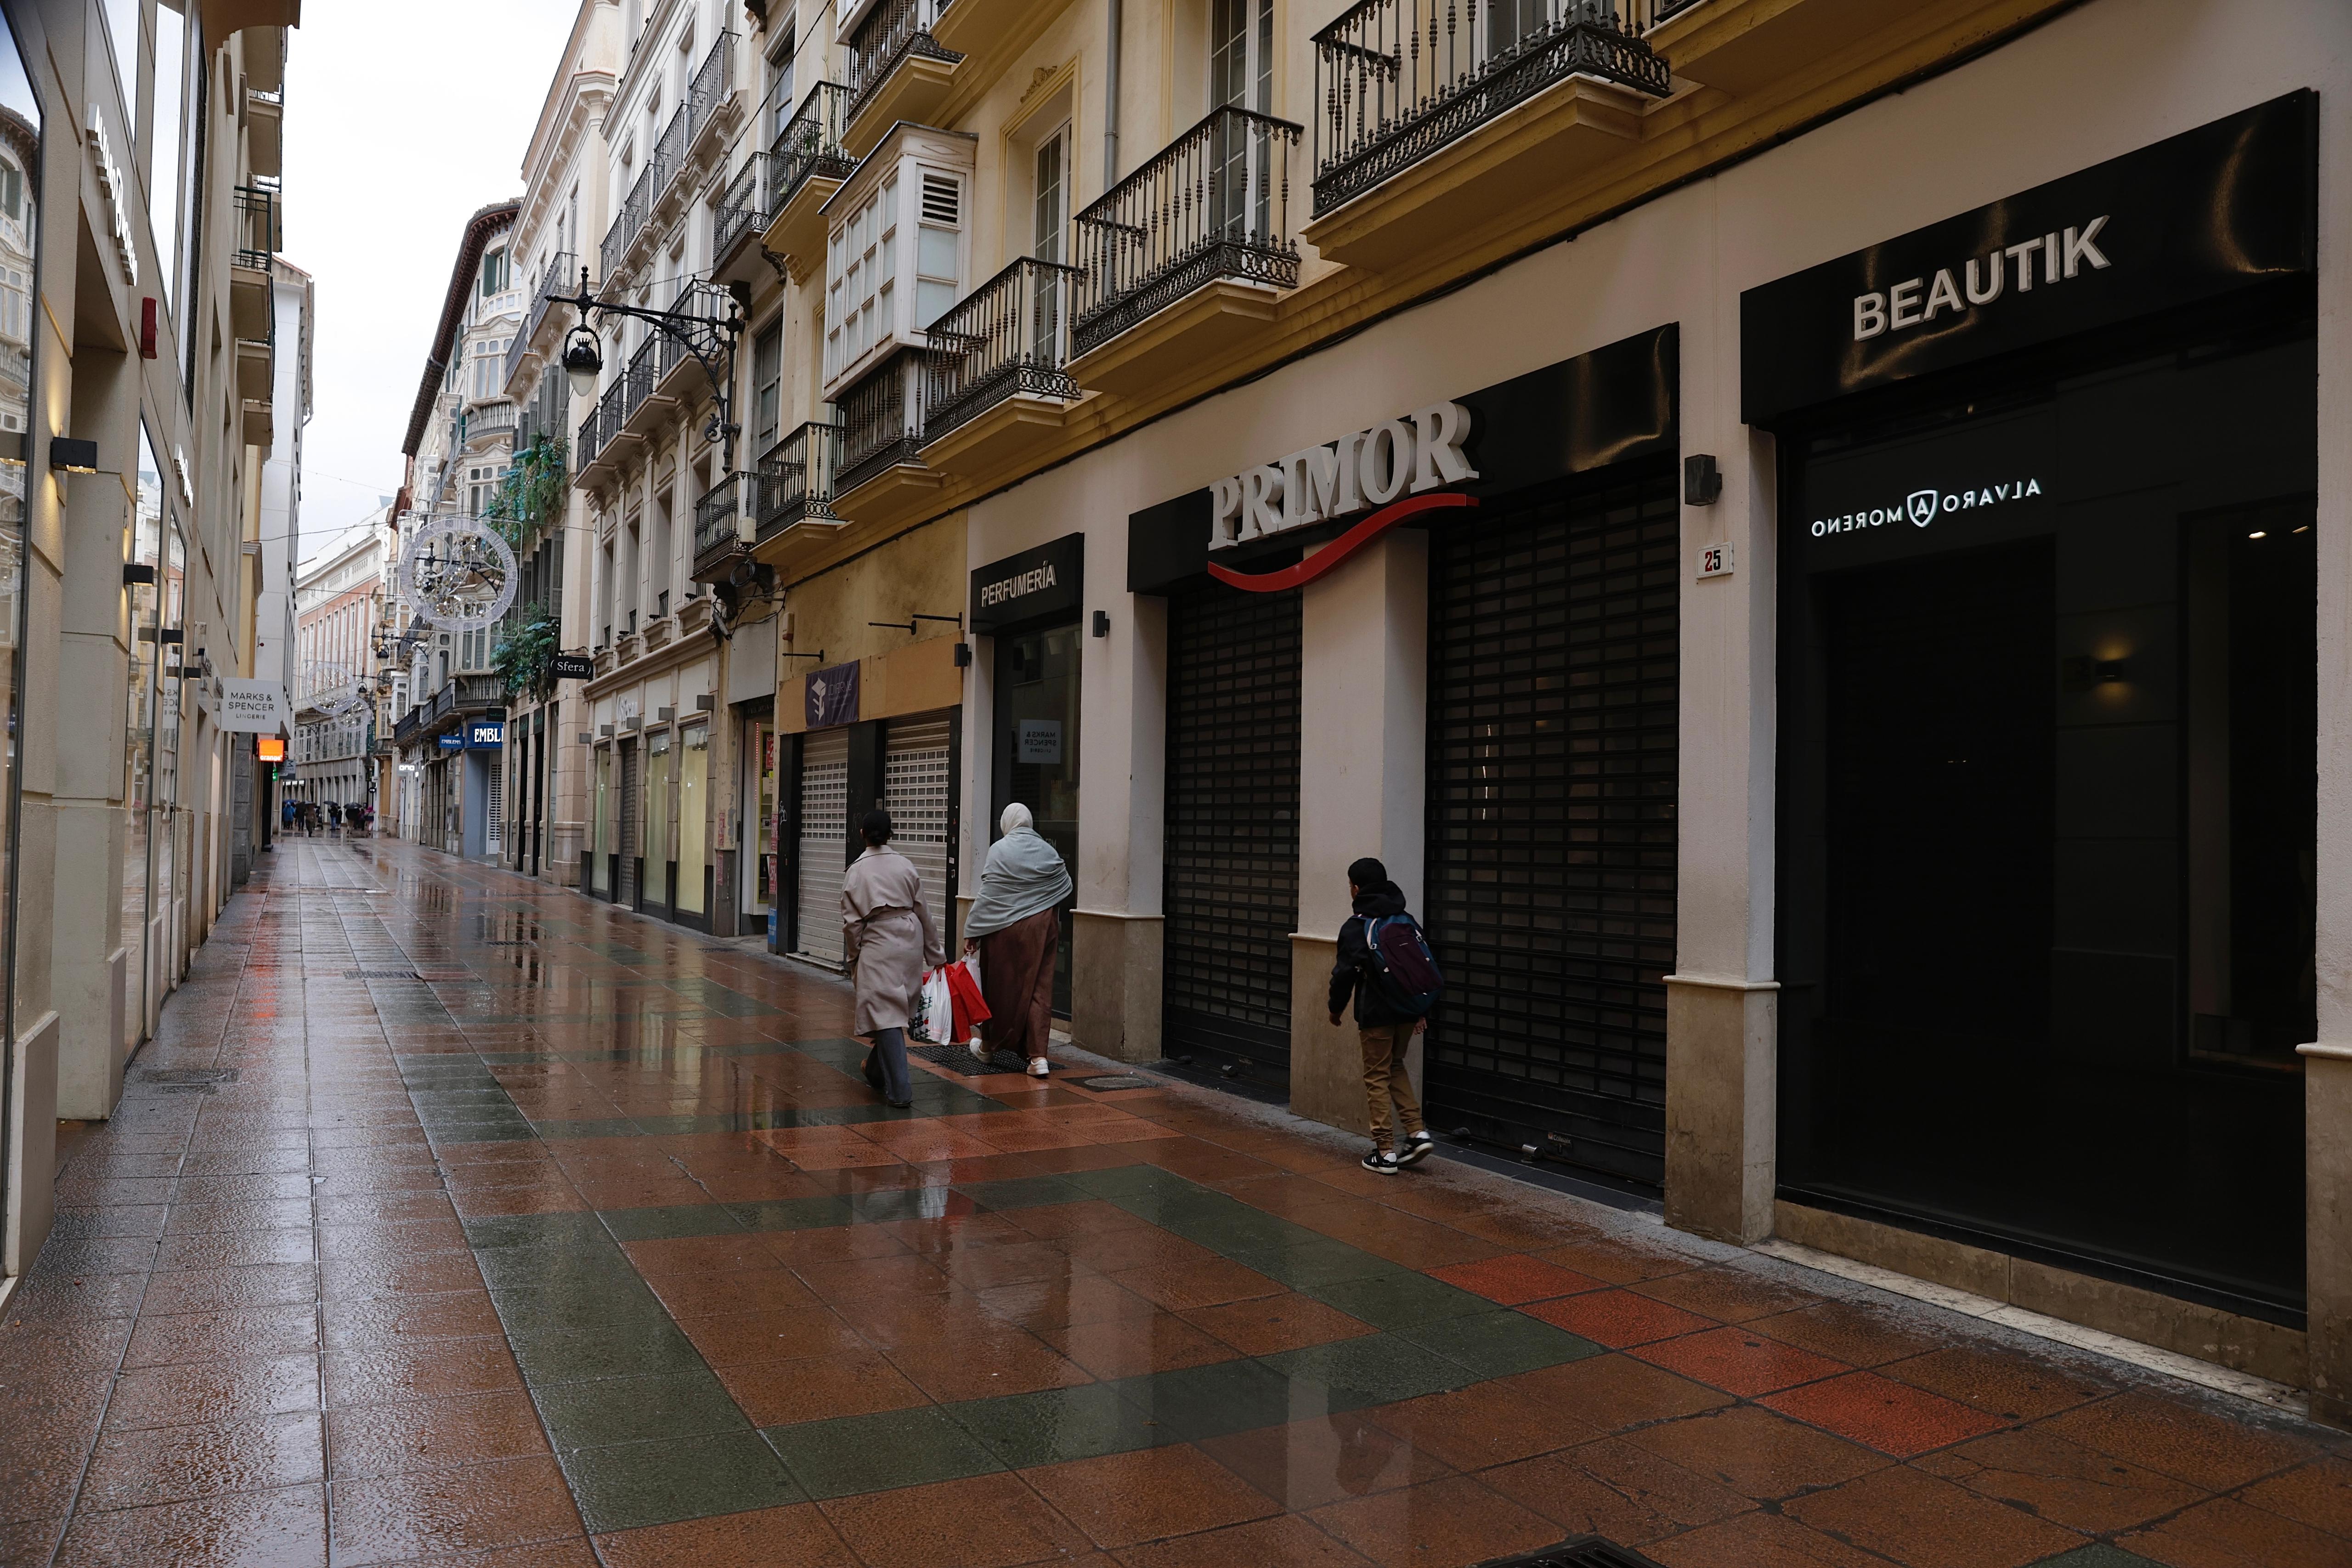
{"x": 1721, "y": 1012}
{"x": 1116, "y": 942}
{"x": 1363, "y": 770}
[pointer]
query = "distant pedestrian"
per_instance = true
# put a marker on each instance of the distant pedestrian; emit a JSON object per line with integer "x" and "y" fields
{"x": 1016, "y": 925}
{"x": 887, "y": 937}
{"x": 1383, "y": 964}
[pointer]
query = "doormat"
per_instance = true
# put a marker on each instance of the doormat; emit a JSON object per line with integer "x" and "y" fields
{"x": 1113, "y": 1080}
{"x": 1590, "y": 1553}
{"x": 957, "y": 1059}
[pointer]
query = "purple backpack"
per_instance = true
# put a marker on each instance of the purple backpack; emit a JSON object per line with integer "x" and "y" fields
{"x": 1403, "y": 965}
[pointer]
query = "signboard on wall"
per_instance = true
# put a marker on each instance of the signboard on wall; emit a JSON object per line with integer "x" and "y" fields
{"x": 574, "y": 667}
{"x": 487, "y": 734}
{"x": 1035, "y": 587}
{"x": 2192, "y": 218}
{"x": 253, "y": 706}
{"x": 1614, "y": 405}
{"x": 831, "y": 696}
{"x": 453, "y": 742}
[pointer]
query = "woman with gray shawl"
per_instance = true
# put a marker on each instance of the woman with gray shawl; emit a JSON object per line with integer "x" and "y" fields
{"x": 1016, "y": 925}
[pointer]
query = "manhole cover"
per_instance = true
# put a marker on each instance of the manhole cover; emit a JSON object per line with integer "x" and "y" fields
{"x": 957, "y": 1059}
{"x": 188, "y": 1075}
{"x": 1590, "y": 1553}
{"x": 381, "y": 975}
{"x": 1113, "y": 1080}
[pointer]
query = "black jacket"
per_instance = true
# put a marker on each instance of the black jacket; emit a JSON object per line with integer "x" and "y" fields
{"x": 1354, "y": 974}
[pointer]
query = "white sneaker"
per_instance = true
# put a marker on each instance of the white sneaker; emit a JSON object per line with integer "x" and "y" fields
{"x": 977, "y": 1049}
{"x": 1038, "y": 1067}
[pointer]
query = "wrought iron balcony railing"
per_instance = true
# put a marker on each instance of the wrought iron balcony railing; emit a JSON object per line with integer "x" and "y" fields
{"x": 1398, "y": 79}
{"x": 590, "y": 441}
{"x": 1010, "y": 336}
{"x": 670, "y": 154}
{"x": 561, "y": 277}
{"x": 882, "y": 419}
{"x": 714, "y": 519}
{"x": 713, "y": 81}
{"x": 1215, "y": 203}
{"x": 638, "y": 380}
{"x": 487, "y": 419}
{"x": 627, "y": 223}
{"x": 809, "y": 145}
{"x": 796, "y": 481}
{"x": 258, "y": 233}
{"x": 893, "y": 30}
{"x": 743, "y": 207}
{"x": 611, "y": 412}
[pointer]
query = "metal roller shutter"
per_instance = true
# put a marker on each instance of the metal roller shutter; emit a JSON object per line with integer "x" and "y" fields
{"x": 1230, "y": 873}
{"x": 1550, "y": 866}
{"x": 825, "y": 836}
{"x": 915, "y": 792}
{"x": 631, "y": 830}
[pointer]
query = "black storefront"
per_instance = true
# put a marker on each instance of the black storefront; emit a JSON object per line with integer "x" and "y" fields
{"x": 2048, "y": 706}
{"x": 1549, "y": 837}
{"x": 1028, "y": 604}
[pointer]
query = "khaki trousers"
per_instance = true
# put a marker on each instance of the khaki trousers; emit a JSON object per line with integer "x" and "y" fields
{"x": 1386, "y": 1080}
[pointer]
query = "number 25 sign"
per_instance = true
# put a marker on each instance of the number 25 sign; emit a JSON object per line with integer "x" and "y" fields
{"x": 1714, "y": 561}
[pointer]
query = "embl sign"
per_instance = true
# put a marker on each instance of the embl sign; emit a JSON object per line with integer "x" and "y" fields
{"x": 487, "y": 734}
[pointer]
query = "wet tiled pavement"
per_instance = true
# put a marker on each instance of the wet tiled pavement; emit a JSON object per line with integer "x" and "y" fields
{"x": 455, "y": 1220}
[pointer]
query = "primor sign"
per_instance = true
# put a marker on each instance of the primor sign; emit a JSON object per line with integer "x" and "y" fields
{"x": 1371, "y": 468}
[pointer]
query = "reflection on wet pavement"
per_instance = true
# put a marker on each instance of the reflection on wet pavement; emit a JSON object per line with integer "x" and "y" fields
{"x": 451, "y": 1213}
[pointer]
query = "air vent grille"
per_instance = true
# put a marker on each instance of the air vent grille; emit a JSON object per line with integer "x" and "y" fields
{"x": 942, "y": 199}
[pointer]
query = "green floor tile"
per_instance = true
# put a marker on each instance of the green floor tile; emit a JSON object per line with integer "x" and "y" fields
{"x": 634, "y": 1409}
{"x": 1115, "y": 1181}
{"x": 1024, "y": 1192}
{"x": 1320, "y": 1262}
{"x": 583, "y": 1307}
{"x": 637, "y": 1484}
{"x": 1221, "y": 1398}
{"x": 517, "y": 1267}
{"x": 576, "y": 1357}
{"x": 1056, "y": 1424}
{"x": 537, "y": 1230}
{"x": 877, "y": 1453}
{"x": 607, "y": 1127}
{"x": 2097, "y": 1556}
{"x": 791, "y": 1214}
{"x": 1498, "y": 1344}
{"x": 1373, "y": 1369}
{"x": 1400, "y": 1301}
{"x": 670, "y": 1222}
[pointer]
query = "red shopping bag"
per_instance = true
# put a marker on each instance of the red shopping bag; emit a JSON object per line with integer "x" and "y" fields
{"x": 970, "y": 1007}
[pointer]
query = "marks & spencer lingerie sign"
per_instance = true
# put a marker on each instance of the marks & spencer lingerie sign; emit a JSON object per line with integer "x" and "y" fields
{"x": 2224, "y": 208}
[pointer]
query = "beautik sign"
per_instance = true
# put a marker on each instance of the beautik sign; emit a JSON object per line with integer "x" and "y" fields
{"x": 1917, "y": 302}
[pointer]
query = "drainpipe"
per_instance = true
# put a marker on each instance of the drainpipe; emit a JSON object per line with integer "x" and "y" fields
{"x": 1110, "y": 102}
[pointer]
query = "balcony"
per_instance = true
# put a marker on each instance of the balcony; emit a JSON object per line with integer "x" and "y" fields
{"x": 256, "y": 428}
{"x": 256, "y": 235}
{"x": 1182, "y": 258}
{"x": 589, "y": 443}
{"x": 796, "y": 481}
{"x": 881, "y": 477}
{"x": 1457, "y": 126}
{"x": 265, "y": 132}
{"x": 254, "y": 368}
{"x": 742, "y": 212}
{"x": 484, "y": 420}
{"x": 628, "y": 223}
{"x": 711, "y": 94}
{"x": 897, "y": 71}
{"x": 562, "y": 276}
{"x": 718, "y": 531}
{"x": 810, "y": 164}
{"x": 694, "y": 298}
{"x": 997, "y": 380}
{"x": 407, "y": 729}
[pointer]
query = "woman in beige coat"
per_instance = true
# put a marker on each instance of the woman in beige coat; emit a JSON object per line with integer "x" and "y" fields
{"x": 887, "y": 938}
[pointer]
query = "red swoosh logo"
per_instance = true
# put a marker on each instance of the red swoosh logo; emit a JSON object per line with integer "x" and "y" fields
{"x": 1339, "y": 548}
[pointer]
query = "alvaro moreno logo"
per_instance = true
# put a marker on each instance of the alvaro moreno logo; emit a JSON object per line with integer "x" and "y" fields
{"x": 1922, "y": 506}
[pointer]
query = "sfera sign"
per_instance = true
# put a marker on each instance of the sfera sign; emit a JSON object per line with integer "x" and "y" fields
{"x": 2229, "y": 207}
{"x": 1420, "y": 452}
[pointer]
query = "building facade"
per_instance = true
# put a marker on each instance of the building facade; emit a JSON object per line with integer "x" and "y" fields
{"x": 139, "y": 225}
{"x": 340, "y": 607}
{"x": 459, "y": 446}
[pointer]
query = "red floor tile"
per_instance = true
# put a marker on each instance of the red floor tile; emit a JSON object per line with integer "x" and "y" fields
{"x": 1515, "y": 1277}
{"x": 1893, "y": 1417}
{"x": 1739, "y": 1361}
{"x": 1618, "y": 1317}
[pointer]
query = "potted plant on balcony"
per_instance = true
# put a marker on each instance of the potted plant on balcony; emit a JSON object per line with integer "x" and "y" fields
{"x": 524, "y": 657}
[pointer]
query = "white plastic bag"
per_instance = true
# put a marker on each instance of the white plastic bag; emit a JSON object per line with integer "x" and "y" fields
{"x": 934, "y": 1019}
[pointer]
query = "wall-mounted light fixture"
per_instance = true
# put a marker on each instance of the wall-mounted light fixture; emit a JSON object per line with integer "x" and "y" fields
{"x": 2084, "y": 670}
{"x": 706, "y": 704}
{"x": 1702, "y": 481}
{"x": 138, "y": 573}
{"x": 70, "y": 455}
{"x": 963, "y": 656}
{"x": 1102, "y": 623}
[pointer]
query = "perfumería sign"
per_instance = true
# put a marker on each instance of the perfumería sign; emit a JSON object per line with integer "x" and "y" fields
{"x": 118, "y": 196}
{"x": 2230, "y": 205}
{"x": 1035, "y": 587}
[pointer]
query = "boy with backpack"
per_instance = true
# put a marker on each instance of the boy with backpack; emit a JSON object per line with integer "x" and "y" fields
{"x": 1386, "y": 965}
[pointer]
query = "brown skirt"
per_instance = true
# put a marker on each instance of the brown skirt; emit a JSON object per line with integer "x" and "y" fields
{"x": 1017, "y": 975}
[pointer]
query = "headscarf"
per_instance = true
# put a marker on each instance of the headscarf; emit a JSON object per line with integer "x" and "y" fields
{"x": 1022, "y": 877}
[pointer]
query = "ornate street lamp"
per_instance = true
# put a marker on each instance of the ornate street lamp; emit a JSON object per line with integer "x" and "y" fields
{"x": 710, "y": 340}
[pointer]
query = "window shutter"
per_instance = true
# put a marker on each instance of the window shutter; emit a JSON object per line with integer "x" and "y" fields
{"x": 942, "y": 199}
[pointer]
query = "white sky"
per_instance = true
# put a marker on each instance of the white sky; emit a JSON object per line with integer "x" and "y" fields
{"x": 400, "y": 123}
